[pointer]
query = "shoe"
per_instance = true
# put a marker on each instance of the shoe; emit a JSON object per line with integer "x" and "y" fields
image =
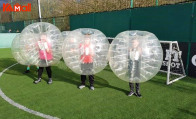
{"x": 50, "y": 81}
{"x": 27, "y": 71}
{"x": 138, "y": 94}
{"x": 130, "y": 93}
{"x": 37, "y": 81}
{"x": 81, "y": 86}
{"x": 92, "y": 88}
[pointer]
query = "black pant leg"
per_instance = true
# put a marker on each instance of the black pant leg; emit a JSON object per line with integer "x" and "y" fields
{"x": 131, "y": 85}
{"x": 40, "y": 71}
{"x": 91, "y": 80}
{"x": 137, "y": 87}
{"x": 49, "y": 72}
{"x": 83, "y": 79}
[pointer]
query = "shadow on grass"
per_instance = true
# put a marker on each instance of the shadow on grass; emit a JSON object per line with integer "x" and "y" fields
{"x": 187, "y": 112}
{"x": 176, "y": 85}
{"x": 16, "y": 70}
{"x": 58, "y": 74}
{"x": 99, "y": 82}
{"x": 72, "y": 78}
{"x": 185, "y": 79}
{"x": 108, "y": 69}
{"x": 188, "y": 80}
{"x": 66, "y": 75}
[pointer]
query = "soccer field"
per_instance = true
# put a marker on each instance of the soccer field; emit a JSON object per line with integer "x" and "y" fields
{"x": 109, "y": 100}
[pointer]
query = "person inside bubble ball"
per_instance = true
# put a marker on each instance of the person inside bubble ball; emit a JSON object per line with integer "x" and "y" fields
{"x": 45, "y": 56}
{"x": 86, "y": 59}
{"x": 28, "y": 48}
{"x": 134, "y": 66}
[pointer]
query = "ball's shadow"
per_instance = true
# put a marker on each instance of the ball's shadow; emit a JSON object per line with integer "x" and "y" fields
{"x": 59, "y": 74}
{"x": 16, "y": 70}
{"x": 72, "y": 78}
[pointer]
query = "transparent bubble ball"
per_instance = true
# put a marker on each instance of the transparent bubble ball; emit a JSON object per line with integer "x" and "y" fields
{"x": 65, "y": 34}
{"x": 16, "y": 52}
{"x": 85, "y": 51}
{"x": 135, "y": 56}
{"x": 40, "y": 44}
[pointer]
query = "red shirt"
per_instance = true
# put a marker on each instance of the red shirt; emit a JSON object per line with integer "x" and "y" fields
{"x": 87, "y": 53}
{"x": 43, "y": 54}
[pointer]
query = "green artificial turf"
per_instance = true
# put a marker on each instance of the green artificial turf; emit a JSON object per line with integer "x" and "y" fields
{"x": 109, "y": 100}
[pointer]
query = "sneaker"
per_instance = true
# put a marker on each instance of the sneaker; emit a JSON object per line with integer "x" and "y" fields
{"x": 81, "y": 86}
{"x": 131, "y": 93}
{"x": 92, "y": 88}
{"x": 50, "y": 81}
{"x": 37, "y": 81}
{"x": 138, "y": 94}
{"x": 27, "y": 71}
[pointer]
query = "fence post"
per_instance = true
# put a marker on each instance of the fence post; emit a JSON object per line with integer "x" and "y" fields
{"x": 157, "y": 2}
{"x": 131, "y": 3}
{"x": 190, "y": 37}
{"x": 53, "y": 20}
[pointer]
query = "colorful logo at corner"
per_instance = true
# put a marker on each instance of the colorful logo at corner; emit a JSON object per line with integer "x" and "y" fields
{"x": 16, "y": 8}
{"x": 194, "y": 60}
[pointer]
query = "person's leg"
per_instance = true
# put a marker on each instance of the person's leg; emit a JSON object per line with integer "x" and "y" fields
{"x": 83, "y": 79}
{"x": 89, "y": 68}
{"x": 91, "y": 81}
{"x": 40, "y": 71}
{"x": 28, "y": 69}
{"x": 138, "y": 90}
{"x": 91, "y": 77}
{"x": 130, "y": 73}
{"x": 49, "y": 72}
{"x": 137, "y": 86}
{"x": 83, "y": 68}
{"x": 131, "y": 85}
{"x": 37, "y": 68}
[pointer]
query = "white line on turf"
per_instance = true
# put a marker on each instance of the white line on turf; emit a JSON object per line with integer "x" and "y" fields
{"x": 19, "y": 105}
